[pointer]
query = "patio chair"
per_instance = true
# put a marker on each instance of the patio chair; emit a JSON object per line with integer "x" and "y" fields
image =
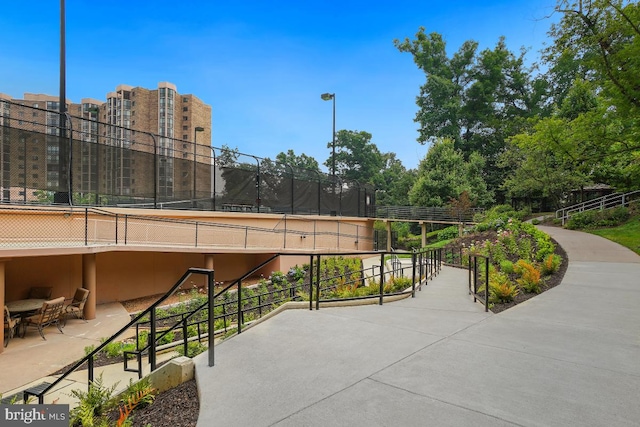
{"x": 10, "y": 325}
{"x": 40, "y": 292}
{"x": 49, "y": 314}
{"x": 76, "y": 306}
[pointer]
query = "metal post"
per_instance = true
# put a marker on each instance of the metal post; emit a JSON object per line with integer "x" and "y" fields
{"x": 156, "y": 173}
{"x": 239, "y": 293}
{"x": 486, "y": 283}
{"x": 152, "y": 340}
{"x": 413, "y": 275}
{"x": 195, "y": 145}
{"x": 311, "y": 282}
{"x": 318, "y": 283}
{"x": 382, "y": 277}
{"x": 210, "y": 322}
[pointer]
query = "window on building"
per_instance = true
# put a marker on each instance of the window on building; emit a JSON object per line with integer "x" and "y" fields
{"x": 185, "y": 136}
{"x": 185, "y": 127}
{"x": 185, "y": 99}
{"x": 35, "y": 114}
{"x": 185, "y": 108}
{"x": 185, "y": 118}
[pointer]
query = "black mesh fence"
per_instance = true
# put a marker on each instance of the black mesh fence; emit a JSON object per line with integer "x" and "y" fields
{"x": 49, "y": 158}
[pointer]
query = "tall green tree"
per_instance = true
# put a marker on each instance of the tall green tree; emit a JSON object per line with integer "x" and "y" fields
{"x": 356, "y": 158}
{"x": 477, "y": 99}
{"x": 394, "y": 182}
{"x": 593, "y": 133}
{"x": 444, "y": 174}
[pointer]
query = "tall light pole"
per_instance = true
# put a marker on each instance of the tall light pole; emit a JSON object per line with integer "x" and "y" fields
{"x": 328, "y": 97}
{"x": 195, "y": 144}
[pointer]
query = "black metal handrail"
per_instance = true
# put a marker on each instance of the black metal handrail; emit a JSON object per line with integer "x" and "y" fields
{"x": 426, "y": 263}
{"x": 89, "y": 357}
{"x": 474, "y": 282}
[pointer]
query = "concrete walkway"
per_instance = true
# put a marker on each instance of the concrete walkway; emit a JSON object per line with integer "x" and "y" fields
{"x": 569, "y": 357}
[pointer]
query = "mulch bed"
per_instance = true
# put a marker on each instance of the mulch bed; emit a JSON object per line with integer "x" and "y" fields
{"x": 177, "y": 407}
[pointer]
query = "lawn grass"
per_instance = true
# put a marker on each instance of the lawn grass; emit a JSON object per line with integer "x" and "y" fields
{"x": 627, "y": 234}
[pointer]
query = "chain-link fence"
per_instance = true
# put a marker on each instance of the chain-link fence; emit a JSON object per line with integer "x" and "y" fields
{"x": 52, "y": 158}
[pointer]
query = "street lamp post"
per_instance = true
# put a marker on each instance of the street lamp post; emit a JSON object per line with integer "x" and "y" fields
{"x": 327, "y": 97}
{"x": 195, "y": 144}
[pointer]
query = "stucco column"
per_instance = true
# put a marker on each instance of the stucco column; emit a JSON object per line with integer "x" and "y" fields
{"x": 208, "y": 261}
{"x": 423, "y": 227}
{"x": 2, "y": 291}
{"x": 89, "y": 281}
{"x": 388, "y": 236}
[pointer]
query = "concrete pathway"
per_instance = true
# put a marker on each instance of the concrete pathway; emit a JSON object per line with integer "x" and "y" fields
{"x": 569, "y": 357}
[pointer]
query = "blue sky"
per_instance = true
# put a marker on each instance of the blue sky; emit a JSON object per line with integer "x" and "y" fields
{"x": 261, "y": 65}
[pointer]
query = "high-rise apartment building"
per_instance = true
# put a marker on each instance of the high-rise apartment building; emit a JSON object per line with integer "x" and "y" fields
{"x": 120, "y": 139}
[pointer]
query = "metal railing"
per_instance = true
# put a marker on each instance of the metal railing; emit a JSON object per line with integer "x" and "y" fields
{"x": 44, "y": 388}
{"x": 30, "y": 227}
{"x": 479, "y": 288}
{"x": 245, "y": 306}
{"x": 436, "y": 214}
{"x": 605, "y": 202}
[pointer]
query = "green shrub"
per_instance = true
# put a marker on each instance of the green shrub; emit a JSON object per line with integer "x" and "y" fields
{"x": 193, "y": 348}
{"x": 596, "y": 218}
{"x": 529, "y": 279}
{"x": 500, "y": 289}
{"x": 278, "y": 277}
{"x": 448, "y": 233}
{"x": 92, "y": 404}
{"x": 506, "y": 266}
{"x": 551, "y": 264}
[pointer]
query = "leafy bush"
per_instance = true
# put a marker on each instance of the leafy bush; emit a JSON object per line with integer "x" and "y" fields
{"x": 194, "y": 348}
{"x": 506, "y": 266}
{"x": 448, "y": 233}
{"x": 278, "y": 277}
{"x": 551, "y": 264}
{"x": 296, "y": 273}
{"x": 529, "y": 279}
{"x": 501, "y": 289}
{"x": 398, "y": 284}
{"x": 595, "y": 218}
{"x": 92, "y": 404}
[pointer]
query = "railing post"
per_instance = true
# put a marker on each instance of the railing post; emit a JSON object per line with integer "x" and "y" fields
{"x": 86, "y": 226}
{"x": 469, "y": 269}
{"x": 90, "y": 371}
{"x": 210, "y": 319}
{"x": 486, "y": 290}
{"x": 185, "y": 337}
{"x": 318, "y": 283}
{"x": 475, "y": 277}
{"x": 382, "y": 277}
{"x": 239, "y": 294}
{"x": 152, "y": 340}
{"x": 311, "y": 282}
{"x": 413, "y": 275}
